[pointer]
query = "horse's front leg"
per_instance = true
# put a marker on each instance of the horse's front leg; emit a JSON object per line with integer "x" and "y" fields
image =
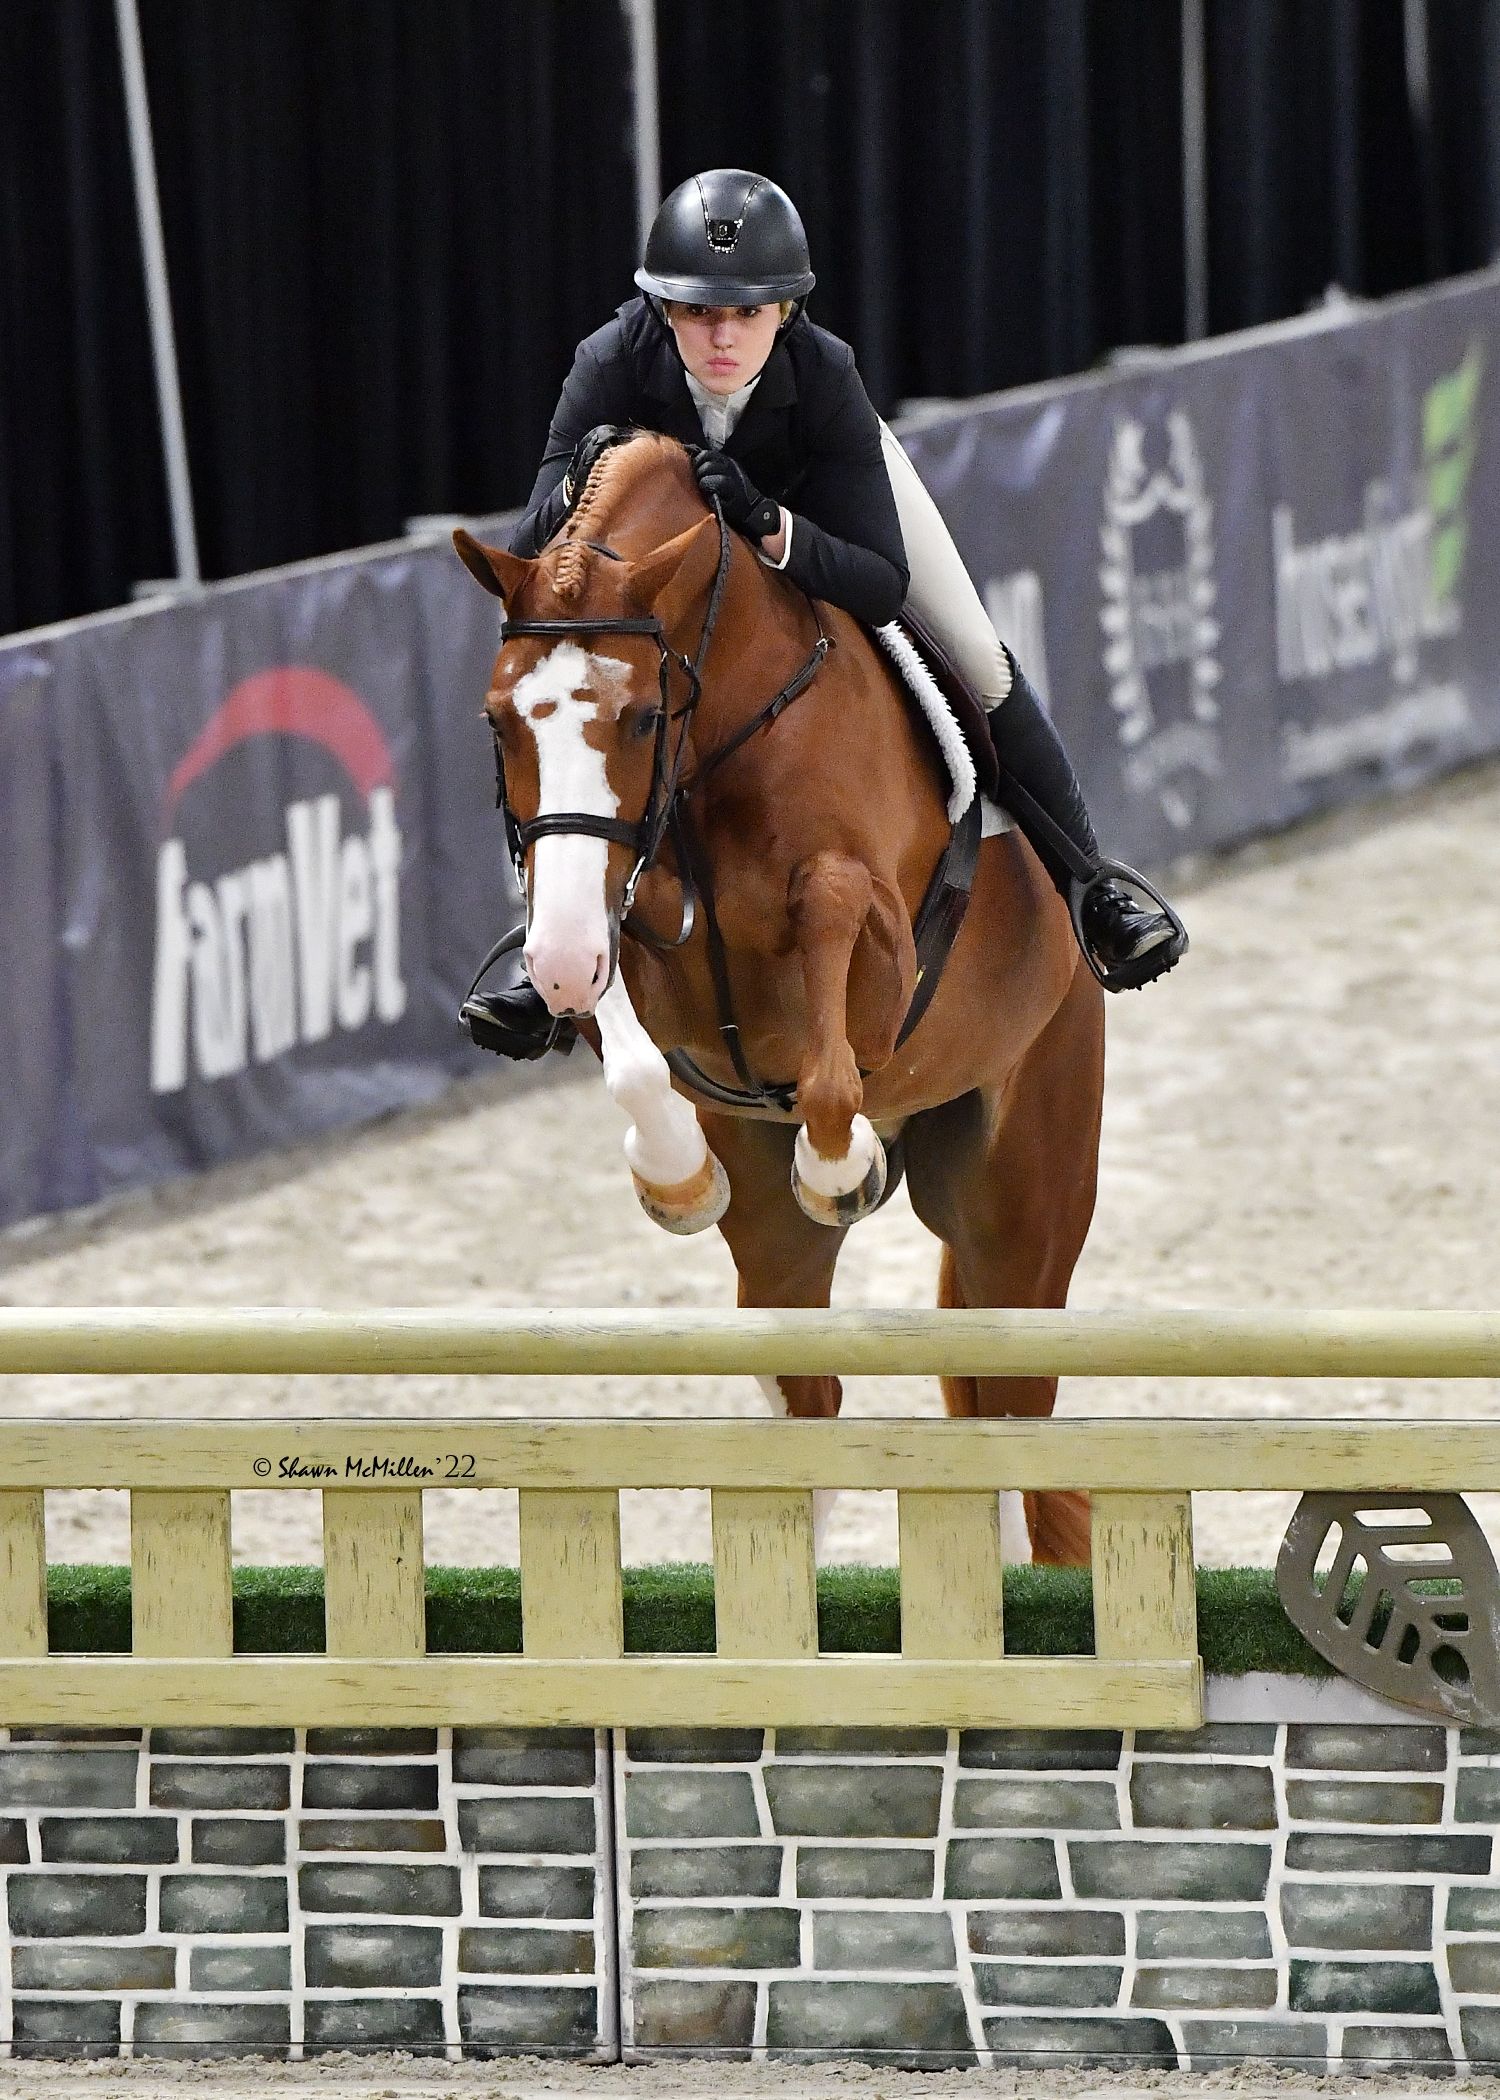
{"x": 679, "y": 1182}
{"x": 839, "y": 1169}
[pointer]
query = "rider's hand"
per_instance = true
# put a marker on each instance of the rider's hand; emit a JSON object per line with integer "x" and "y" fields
{"x": 743, "y": 505}
{"x": 585, "y": 452}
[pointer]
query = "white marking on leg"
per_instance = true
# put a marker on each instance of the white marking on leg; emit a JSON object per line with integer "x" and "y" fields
{"x": 775, "y": 1398}
{"x": 823, "y": 1498}
{"x": 664, "y": 1144}
{"x": 568, "y": 935}
{"x": 1015, "y": 1537}
{"x": 842, "y": 1175}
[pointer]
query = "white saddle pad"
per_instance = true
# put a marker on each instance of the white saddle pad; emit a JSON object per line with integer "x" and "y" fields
{"x": 928, "y": 694}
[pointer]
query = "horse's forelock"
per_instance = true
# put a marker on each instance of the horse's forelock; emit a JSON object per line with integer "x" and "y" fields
{"x": 614, "y": 475}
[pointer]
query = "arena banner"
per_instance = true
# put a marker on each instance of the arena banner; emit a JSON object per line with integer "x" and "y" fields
{"x": 248, "y": 854}
{"x": 251, "y": 849}
{"x": 1254, "y": 580}
{"x": 42, "y": 1166}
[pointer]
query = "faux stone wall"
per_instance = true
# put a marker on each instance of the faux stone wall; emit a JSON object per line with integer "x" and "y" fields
{"x": 1303, "y": 1892}
{"x": 1307, "y": 1894}
{"x": 273, "y": 1892}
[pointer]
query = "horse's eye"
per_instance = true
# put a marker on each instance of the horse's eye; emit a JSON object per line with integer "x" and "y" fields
{"x": 645, "y": 724}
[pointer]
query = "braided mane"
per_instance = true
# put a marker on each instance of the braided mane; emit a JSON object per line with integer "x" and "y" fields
{"x": 597, "y": 499}
{"x": 575, "y": 560}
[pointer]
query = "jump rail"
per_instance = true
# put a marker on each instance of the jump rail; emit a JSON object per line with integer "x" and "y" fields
{"x": 1202, "y": 1343}
{"x": 952, "y": 1668}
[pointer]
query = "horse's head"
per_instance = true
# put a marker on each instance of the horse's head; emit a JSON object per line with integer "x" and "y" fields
{"x": 585, "y": 744}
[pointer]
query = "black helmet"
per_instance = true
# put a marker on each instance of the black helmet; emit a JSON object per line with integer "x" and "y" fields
{"x": 726, "y": 238}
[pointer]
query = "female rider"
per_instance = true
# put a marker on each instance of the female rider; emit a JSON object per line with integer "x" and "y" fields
{"x": 719, "y": 352}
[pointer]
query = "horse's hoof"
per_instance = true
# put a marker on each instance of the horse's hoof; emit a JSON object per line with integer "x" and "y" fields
{"x": 832, "y": 1206}
{"x": 686, "y": 1206}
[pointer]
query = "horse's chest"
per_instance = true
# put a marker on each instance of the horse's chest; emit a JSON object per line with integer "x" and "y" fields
{"x": 753, "y": 916}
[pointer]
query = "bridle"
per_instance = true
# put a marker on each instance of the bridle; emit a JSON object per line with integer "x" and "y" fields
{"x": 645, "y": 835}
{"x": 664, "y": 802}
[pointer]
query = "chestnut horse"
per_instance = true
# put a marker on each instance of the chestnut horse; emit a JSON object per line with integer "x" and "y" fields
{"x": 811, "y": 842}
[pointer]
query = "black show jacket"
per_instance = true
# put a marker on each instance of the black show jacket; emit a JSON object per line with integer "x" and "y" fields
{"x": 808, "y": 436}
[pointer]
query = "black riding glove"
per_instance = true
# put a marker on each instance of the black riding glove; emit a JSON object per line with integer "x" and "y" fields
{"x": 586, "y": 451}
{"x": 743, "y": 505}
{"x": 554, "y": 508}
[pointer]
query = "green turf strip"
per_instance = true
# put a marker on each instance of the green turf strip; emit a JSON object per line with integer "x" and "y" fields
{"x": 670, "y": 1610}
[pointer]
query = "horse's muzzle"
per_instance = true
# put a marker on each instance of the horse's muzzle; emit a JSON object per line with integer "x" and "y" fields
{"x": 570, "y": 979}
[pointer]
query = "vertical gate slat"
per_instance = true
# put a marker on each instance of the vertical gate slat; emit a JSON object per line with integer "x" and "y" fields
{"x": 23, "y": 1572}
{"x": 1145, "y": 1594}
{"x": 571, "y": 1602}
{"x": 374, "y": 1581}
{"x": 765, "y": 1572}
{"x": 181, "y": 1593}
{"x": 951, "y": 1572}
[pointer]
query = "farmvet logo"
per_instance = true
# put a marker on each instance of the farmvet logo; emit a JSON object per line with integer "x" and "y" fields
{"x": 1383, "y": 592}
{"x": 1157, "y": 598}
{"x": 296, "y": 943}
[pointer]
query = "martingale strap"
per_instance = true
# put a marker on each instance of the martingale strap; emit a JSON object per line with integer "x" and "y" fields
{"x": 934, "y": 930}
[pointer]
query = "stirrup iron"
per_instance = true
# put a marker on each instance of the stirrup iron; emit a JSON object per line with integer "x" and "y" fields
{"x": 1082, "y": 887}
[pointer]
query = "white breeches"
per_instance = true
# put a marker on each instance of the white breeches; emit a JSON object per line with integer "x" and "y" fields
{"x": 941, "y": 593}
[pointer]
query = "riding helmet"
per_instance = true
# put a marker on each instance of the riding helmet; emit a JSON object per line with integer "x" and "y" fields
{"x": 726, "y": 238}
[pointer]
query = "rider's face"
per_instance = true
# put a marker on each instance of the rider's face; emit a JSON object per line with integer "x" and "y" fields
{"x": 724, "y": 347}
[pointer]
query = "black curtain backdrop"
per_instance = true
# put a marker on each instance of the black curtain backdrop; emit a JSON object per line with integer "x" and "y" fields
{"x": 388, "y": 223}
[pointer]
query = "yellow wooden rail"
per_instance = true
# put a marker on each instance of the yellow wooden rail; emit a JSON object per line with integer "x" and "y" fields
{"x": 1168, "y": 1343}
{"x": 341, "y": 1453}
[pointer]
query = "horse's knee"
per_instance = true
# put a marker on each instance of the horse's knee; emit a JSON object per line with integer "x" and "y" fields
{"x": 664, "y": 1144}
{"x": 828, "y": 895}
{"x": 638, "y": 1084}
{"x": 830, "y": 1094}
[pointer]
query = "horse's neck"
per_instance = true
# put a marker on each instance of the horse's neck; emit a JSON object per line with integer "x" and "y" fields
{"x": 755, "y": 648}
{"x": 647, "y": 512}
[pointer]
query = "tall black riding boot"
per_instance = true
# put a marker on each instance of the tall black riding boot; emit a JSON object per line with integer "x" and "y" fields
{"x": 1129, "y": 944}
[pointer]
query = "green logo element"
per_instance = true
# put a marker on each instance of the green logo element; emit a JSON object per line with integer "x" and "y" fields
{"x": 1450, "y": 428}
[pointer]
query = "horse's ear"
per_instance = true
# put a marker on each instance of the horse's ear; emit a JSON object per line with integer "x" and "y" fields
{"x": 501, "y": 574}
{"x": 672, "y": 579}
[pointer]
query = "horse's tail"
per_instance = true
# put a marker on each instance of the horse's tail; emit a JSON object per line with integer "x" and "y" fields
{"x": 1058, "y": 1519}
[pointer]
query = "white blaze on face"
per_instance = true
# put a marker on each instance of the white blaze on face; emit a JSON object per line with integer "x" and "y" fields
{"x": 568, "y": 937}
